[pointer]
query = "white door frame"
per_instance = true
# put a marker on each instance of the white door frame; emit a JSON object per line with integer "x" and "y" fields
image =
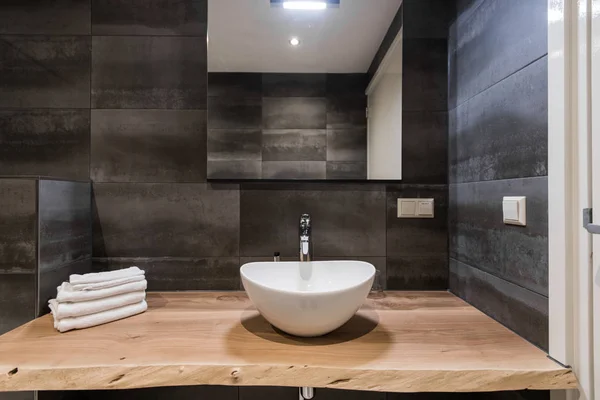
{"x": 569, "y": 189}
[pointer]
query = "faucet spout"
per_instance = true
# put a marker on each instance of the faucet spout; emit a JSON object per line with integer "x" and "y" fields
{"x": 305, "y": 238}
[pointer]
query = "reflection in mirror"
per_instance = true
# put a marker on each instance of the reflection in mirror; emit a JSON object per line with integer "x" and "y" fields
{"x": 289, "y": 83}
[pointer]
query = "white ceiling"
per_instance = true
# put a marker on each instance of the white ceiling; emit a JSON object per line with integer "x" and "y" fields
{"x": 252, "y": 36}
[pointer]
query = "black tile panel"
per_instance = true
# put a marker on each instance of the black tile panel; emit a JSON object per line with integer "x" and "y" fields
{"x": 293, "y": 85}
{"x": 348, "y": 144}
{"x": 65, "y": 229}
{"x": 180, "y": 273}
{"x": 417, "y": 236}
{"x": 45, "y": 142}
{"x": 491, "y": 40}
{"x": 234, "y": 169}
{"x": 231, "y": 112}
{"x": 49, "y": 279}
{"x": 519, "y": 309}
{"x": 148, "y": 146}
{"x": 18, "y": 225}
{"x": 425, "y": 74}
{"x": 234, "y": 84}
{"x": 347, "y": 220}
{"x": 165, "y": 220}
{"x": 344, "y": 170}
{"x": 45, "y": 71}
{"x": 45, "y": 17}
{"x": 149, "y": 72}
{"x": 478, "y": 236}
{"x": 424, "y": 147}
{"x": 502, "y": 133}
{"x": 234, "y": 145}
{"x": 17, "y": 300}
{"x": 149, "y": 17}
{"x": 294, "y": 113}
{"x": 294, "y": 145}
{"x": 293, "y": 170}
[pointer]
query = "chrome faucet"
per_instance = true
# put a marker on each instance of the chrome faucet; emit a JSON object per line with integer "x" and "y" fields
{"x": 305, "y": 238}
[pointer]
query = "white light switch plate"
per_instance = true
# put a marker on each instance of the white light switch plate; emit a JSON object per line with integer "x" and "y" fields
{"x": 415, "y": 208}
{"x": 514, "y": 210}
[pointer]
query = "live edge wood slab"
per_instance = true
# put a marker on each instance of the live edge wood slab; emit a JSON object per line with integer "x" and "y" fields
{"x": 397, "y": 342}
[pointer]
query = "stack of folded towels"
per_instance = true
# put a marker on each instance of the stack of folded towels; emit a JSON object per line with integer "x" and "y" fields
{"x": 97, "y": 298}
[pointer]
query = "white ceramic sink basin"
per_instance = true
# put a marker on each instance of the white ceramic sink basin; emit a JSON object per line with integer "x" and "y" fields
{"x": 308, "y": 298}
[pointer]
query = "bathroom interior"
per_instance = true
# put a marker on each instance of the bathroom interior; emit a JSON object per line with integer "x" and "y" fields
{"x": 188, "y": 137}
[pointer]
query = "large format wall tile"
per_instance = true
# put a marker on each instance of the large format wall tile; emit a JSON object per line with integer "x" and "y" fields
{"x": 294, "y": 170}
{"x": 234, "y": 145}
{"x": 49, "y": 279}
{"x": 45, "y": 71}
{"x": 478, "y": 237}
{"x": 502, "y": 133}
{"x": 493, "y": 41}
{"x": 18, "y": 232}
{"x": 230, "y": 112}
{"x": 347, "y": 85}
{"x": 417, "y": 272}
{"x": 428, "y": 18}
{"x": 234, "y": 169}
{"x": 45, "y": 142}
{"x": 519, "y": 309}
{"x": 346, "y": 112}
{"x": 46, "y": 17}
{"x": 348, "y": 144}
{"x": 293, "y": 85}
{"x": 179, "y": 273}
{"x": 294, "y": 113}
{"x": 149, "y": 17}
{"x": 294, "y": 145}
{"x": 149, "y": 72}
{"x": 148, "y": 146}
{"x": 344, "y": 170}
{"x": 165, "y": 220}
{"x": 417, "y": 248}
{"x": 347, "y": 220}
{"x": 424, "y": 147}
{"x": 425, "y": 75}
{"x": 235, "y": 84}
{"x": 17, "y": 300}
{"x": 65, "y": 228}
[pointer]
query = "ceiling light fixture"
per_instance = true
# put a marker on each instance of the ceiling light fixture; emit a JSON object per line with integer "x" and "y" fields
{"x": 305, "y": 5}
{"x": 294, "y": 41}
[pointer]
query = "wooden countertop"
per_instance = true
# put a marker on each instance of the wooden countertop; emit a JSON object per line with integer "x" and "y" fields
{"x": 399, "y": 342}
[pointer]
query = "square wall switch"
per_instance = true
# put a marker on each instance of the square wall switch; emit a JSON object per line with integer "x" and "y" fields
{"x": 514, "y": 210}
{"x": 415, "y": 208}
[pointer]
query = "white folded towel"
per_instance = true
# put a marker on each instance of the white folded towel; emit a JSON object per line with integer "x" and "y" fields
{"x": 96, "y": 277}
{"x": 107, "y": 284}
{"x": 69, "y": 310}
{"x": 67, "y": 324}
{"x": 67, "y": 294}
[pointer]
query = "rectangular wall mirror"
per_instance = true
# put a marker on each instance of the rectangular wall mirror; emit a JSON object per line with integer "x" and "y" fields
{"x": 304, "y": 90}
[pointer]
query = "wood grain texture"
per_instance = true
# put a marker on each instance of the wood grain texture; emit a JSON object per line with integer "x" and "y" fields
{"x": 397, "y": 342}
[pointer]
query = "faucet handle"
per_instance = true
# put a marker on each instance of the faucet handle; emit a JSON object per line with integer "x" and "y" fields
{"x": 304, "y": 225}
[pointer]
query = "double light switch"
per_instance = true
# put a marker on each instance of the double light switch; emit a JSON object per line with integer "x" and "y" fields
{"x": 415, "y": 208}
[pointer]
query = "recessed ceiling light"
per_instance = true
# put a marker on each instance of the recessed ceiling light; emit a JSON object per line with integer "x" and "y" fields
{"x": 294, "y": 41}
{"x": 305, "y": 5}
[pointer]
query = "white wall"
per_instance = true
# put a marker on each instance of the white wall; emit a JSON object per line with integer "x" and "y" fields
{"x": 384, "y": 154}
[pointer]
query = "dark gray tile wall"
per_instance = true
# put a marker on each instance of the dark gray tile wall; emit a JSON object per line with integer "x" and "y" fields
{"x": 498, "y": 147}
{"x": 286, "y": 126}
{"x": 65, "y": 235}
{"x": 45, "y": 235}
